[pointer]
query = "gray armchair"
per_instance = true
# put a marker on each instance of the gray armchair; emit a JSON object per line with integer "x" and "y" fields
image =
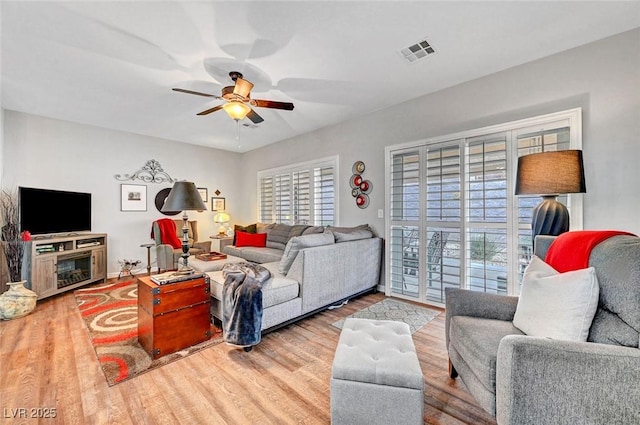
{"x": 166, "y": 256}
{"x": 531, "y": 380}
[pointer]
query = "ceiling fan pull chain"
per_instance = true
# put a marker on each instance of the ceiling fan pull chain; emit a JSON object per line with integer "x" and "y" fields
{"x": 237, "y": 129}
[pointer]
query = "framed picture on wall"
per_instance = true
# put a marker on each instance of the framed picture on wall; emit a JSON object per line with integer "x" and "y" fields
{"x": 217, "y": 204}
{"x": 204, "y": 193}
{"x": 133, "y": 197}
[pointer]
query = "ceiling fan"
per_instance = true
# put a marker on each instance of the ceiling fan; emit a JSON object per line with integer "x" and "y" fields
{"x": 237, "y": 100}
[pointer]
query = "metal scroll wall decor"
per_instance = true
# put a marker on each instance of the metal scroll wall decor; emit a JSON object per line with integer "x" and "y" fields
{"x": 151, "y": 172}
{"x": 360, "y": 188}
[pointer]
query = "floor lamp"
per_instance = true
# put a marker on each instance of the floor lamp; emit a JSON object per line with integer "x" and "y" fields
{"x": 184, "y": 197}
{"x": 550, "y": 174}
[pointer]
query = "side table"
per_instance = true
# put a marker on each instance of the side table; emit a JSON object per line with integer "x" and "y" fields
{"x": 218, "y": 243}
{"x": 148, "y": 246}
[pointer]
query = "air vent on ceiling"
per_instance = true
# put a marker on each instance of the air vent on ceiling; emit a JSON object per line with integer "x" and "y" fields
{"x": 417, "y": 51}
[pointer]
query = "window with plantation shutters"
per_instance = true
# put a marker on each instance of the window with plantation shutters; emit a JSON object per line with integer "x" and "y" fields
{"x": 298, "y": 194}
{"x": 454, "y": 220}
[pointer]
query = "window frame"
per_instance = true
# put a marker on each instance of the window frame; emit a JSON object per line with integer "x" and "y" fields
{"x": 571, "y": 118}
{"x": 290, "y": 169}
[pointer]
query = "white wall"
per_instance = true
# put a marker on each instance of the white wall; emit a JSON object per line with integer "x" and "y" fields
{"x": 603, "y": 78}
{"x": 47, "y": 153}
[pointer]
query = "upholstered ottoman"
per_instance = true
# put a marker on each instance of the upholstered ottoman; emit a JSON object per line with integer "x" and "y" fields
{"x": 376, "y": 377}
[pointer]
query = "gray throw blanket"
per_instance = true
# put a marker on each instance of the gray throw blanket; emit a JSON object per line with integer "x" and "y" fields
{"x": 242, "y": 303}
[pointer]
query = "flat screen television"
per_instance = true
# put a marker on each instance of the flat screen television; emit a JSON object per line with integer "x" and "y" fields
{"x": 46, "y": 211}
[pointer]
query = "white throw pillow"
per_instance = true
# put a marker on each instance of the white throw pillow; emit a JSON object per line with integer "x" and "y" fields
{"x": 557, "y": 305}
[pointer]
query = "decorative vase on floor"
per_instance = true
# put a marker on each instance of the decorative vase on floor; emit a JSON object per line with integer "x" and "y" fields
{"x": 17, "y": 301}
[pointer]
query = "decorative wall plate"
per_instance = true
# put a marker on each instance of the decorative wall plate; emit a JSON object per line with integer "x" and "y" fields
{"x": 366, "y": 186}
{"x": 358, "y": 167}
{"x": 160, "y": 198}
{"x": 362, "y": 201}
{"x": 352, "y": 181}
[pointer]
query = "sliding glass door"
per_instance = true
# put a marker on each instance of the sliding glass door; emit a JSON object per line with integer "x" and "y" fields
{"x": 453, "y": 220}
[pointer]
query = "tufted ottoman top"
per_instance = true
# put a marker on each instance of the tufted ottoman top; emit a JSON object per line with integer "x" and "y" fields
{"x": 378, "y": 352}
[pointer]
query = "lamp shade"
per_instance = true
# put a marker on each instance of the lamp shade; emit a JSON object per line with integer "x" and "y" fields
{"x": 184, "y": 197}
{"x": 221, "y": 217}
{"x": 550, "y": 173}
{"x": 236, "y": 110}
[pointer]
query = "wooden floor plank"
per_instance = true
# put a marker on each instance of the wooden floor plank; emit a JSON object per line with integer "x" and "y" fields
{"x": 47, "y": 361}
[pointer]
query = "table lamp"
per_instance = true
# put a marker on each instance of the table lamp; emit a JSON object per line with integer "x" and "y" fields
{"x": 222, "y": 218}
{"x": 184, "y": 197}
{"x": 550, "y": 174}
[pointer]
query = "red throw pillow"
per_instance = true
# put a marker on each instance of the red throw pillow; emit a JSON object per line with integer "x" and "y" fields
{"x": 251, "y": 239}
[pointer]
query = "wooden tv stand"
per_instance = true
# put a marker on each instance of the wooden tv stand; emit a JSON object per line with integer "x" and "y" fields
{"x": 61, "y": 263}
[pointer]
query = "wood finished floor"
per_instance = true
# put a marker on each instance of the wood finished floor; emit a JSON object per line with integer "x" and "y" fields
{"x": 47, "y": 361}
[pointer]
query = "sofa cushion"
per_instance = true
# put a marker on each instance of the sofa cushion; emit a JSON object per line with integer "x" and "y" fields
{"x": 477, "y": 340}
{"x": 251, "y": 228}
{"x": 276, "y": 290}
{"x": 278, "y": 236}
{"x": 251, "y": 239}
{"x": 349, "y": 229}
{"x": 353, "y": 235}
{"x": 617, "y": 320}
{"x": 556, "y": 305}
{"x": 313, "y": 229}
{"x": 297, "y": 243}
{"x": 264, "y": 227}
{"x": 279, "y": 288}
{"x": 254, "y": 254}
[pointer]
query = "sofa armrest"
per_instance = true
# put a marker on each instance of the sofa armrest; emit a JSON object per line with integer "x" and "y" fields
{"x": 545, "y": 381}
{"x": 330, "y": 273}
{"x": 463, "y": 302}
{"x": 204, "y": 245}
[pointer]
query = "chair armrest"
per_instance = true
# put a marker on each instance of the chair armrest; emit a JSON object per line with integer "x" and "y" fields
{"x": 164, "y": 257}
{"x": 462, "y": 302}
{"x": 205, "y": 245}
{"x": 545, "y": 381}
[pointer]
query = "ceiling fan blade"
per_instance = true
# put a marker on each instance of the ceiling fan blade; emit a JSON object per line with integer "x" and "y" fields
{"x": 208, "y": 111}
{"x": 255, "y": 118}
{"x": 196, "y": 92}
{"x": 243, "y": 87}
{"x": 272, "y": 104}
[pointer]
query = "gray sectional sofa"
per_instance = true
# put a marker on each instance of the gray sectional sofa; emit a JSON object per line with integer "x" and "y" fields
{"x": 312, "y": 271}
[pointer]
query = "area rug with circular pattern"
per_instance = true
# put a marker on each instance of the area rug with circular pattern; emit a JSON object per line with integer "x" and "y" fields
{"x": 391, "y": 309}
{"x": 110, "y": 312}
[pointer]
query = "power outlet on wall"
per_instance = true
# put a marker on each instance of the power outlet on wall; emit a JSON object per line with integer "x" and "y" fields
{"x": 380, "y": 213}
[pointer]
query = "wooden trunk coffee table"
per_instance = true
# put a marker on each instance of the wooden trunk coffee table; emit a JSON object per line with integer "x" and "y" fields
{"x": 173, "y": 316}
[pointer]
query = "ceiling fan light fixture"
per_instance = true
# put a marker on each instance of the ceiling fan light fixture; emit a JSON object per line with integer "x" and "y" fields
{"x": 236, "y": 110}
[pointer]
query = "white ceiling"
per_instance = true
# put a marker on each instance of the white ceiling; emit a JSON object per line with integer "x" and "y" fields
{"x": 113, "y": 64}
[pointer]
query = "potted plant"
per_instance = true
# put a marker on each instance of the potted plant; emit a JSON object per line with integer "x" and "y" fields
{"x": 18, "y": 301}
